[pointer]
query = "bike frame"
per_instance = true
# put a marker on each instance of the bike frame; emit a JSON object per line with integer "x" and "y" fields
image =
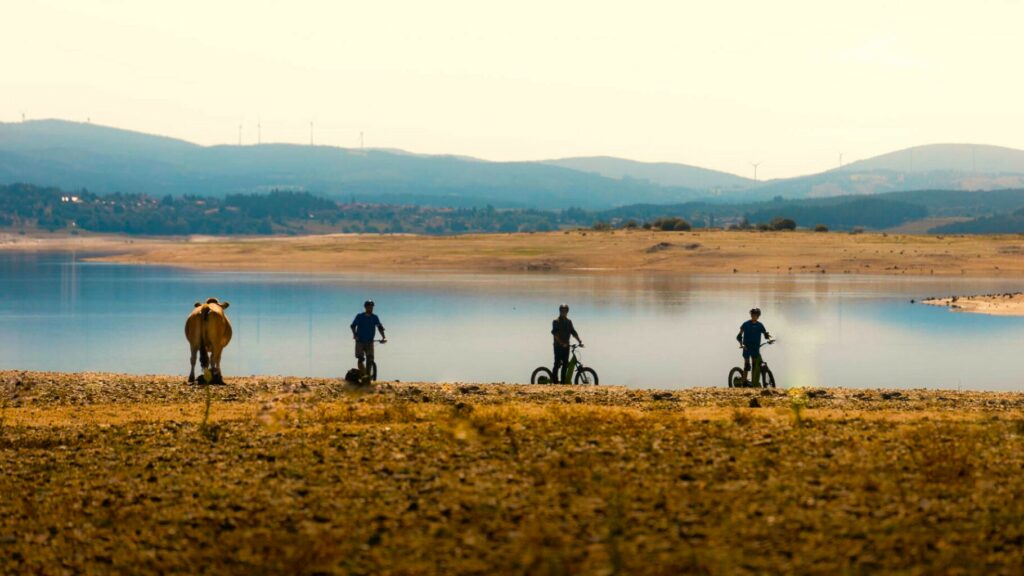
{"x": 763, "y": 363}
{"x": 572, "y": 365}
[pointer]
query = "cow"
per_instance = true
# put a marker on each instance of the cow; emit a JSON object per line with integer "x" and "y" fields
{"x": 208, "y": 332}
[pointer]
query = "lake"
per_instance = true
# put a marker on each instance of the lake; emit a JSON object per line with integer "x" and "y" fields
{"x": 60, "y": 313}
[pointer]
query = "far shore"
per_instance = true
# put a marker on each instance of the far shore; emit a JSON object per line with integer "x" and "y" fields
{"x": 578, "y": 251}
{"x": 701, "y": 251}
{"x": 1008, "y": 304}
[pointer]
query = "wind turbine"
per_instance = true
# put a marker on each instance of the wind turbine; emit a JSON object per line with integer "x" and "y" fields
{"x": 755, "y": 165}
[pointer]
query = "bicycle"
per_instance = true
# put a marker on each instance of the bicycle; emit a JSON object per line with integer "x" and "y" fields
{"x": 584, "y": 375}
{"x": 737, "y": 380}
{"x": 369, "y": 374}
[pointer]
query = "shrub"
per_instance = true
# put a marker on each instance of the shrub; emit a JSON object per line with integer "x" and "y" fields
{"x": 602, "y": 226}
{"x": 821, "y": 228}
{"x": 671, "y": 224}
{"x": 630, "y": 225}
{"x": 783, "y": 224}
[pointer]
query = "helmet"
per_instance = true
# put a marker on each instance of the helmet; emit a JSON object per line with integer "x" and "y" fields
{"x": 563, "y": 306}
{"x": 755, "y": 311}
{"x": 368, "y": 303}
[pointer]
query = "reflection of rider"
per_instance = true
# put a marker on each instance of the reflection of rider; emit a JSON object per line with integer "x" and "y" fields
{"x": 364, "y": 328}
{"x": 749, "y": 338}
{"x": 562, "y": 329}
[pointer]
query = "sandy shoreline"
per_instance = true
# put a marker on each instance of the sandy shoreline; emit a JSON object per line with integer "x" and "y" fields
{"x": 1007, "y": 304}
{"x": 582, "y": 252}
{"x": 718, "y": 252}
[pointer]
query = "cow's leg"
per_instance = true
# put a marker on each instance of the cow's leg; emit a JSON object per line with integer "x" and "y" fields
{"x": 204, "y": 361}
{"x": 192, "y": 372}
{"x": 218, "y": 378}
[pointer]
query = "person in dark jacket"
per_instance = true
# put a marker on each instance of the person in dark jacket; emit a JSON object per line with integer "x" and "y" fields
{"x": 562, "y": 329}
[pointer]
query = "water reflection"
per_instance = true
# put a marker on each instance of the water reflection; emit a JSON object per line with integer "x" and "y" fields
{"x": 647, "y": 330}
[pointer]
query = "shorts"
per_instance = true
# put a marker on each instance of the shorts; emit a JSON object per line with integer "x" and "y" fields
{"x": 364, "y": 348}
{"x": 747, "y": 354}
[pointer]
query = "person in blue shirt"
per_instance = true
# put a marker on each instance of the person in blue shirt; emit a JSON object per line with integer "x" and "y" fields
{"x": 364, "y": 328}
{"x": 749, "y": 338}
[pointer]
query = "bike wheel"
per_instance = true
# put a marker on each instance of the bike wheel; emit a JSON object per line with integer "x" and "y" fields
{"x": 586, "y": 377}
{"x": 736, "y": 378}
{"x": 767, "y": 378}
{"x": 541, "y": 375}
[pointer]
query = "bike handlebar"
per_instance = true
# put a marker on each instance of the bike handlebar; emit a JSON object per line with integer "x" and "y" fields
{"x": 767, "y": 343}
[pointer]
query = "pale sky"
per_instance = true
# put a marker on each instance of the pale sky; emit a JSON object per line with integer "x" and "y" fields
{"x": 716, "y": 84}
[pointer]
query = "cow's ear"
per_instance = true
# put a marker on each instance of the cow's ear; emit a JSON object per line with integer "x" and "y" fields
{"x": 224, "y": 305}
{"x": 197, "y": 305}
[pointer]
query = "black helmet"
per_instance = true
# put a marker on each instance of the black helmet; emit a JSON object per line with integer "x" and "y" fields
{"x": 368, "y": 303}
{"x": 755, "y": 311}
{"x": 563, "y": 306}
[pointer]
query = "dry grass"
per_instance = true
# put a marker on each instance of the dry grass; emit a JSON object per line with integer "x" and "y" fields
{"x": 108, "y": 473}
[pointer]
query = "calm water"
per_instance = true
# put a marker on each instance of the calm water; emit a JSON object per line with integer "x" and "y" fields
{"x": 59, "y": 313}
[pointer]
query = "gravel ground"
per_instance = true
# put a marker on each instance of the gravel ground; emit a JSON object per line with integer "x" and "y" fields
{"x": 107, "y": 473}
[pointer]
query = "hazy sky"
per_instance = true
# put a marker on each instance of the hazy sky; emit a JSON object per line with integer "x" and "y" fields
{"x": 717, "y": 84}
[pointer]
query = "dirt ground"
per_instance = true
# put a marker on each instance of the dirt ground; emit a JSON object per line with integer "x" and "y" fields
{"x": 105, "y": 473}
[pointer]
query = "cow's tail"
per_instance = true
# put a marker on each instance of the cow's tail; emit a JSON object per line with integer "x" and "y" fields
{"x": 205, "y": 314}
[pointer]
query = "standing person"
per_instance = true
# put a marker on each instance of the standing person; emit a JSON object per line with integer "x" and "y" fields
{"x": 364, "y": 328}
{"x": 562, "y": 329}
{"x": 749, "y": 338}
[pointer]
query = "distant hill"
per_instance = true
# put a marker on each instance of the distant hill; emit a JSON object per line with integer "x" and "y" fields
{"x": 932, "y": 167}
{"x": 73, "y": 155}
{"x": 876, "y": 212}
{"x": 963, "y": 158}
{"x": 662, "y": 173}
{"x": 1010, "y": 223}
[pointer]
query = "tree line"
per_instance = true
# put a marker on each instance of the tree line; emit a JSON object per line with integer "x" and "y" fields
{"x": 28, "y": 207}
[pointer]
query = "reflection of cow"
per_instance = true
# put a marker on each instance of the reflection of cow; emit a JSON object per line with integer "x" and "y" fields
{"x": 208, "y": 331}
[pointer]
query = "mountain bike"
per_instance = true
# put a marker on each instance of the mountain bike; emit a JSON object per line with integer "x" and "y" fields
{"x": 575, "y": 371}
{"x": 736, "y": 379}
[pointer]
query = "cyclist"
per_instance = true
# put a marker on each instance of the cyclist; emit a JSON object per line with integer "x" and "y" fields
{"x": 749, "y": 338}
{"x": 364, "y": 328}
{"x": 562, "y": 329}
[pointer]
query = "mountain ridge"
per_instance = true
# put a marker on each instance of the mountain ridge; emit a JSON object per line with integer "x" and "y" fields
{"x": 73, "y": 155}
